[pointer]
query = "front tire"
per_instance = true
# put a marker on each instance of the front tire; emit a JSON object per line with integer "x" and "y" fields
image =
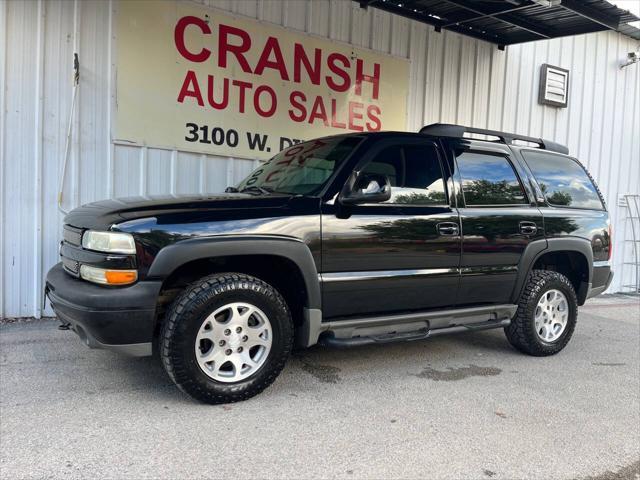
{"x": 226, "y": 338}
{"x": 546, "y": 316}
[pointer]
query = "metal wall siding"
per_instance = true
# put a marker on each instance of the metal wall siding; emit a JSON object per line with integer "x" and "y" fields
{"x": 3, "y": 150}
{"x": 452, "y": 79}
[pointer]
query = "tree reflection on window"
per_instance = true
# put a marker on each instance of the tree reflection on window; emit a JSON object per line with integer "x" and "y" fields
{"x": 416, "y": 198}
{"x": 489, "y": 180}
{"x": 556, "y": 198}
{"x": 563, "y": 180}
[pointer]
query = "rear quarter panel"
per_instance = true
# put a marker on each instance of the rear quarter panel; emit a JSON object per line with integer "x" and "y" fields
{"x": 592, "y": 225}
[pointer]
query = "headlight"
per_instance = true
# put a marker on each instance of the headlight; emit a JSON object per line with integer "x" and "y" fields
{"x": 108, "y": 277}
{"x": 110, "y": 242}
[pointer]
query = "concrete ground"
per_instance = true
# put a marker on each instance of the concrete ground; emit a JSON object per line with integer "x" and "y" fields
{"x": 465, "y": 406}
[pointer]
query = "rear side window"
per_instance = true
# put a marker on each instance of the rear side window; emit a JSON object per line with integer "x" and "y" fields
{"x": 489, "y": 180}
{"x": 563, "y": 181}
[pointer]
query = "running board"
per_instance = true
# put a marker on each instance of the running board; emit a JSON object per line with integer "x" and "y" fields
{"x": 415, "y": 326}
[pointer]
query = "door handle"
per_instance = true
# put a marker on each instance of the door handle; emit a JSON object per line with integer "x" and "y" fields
{"x": 528, "y": 228}
{"x": 448, "y": 228}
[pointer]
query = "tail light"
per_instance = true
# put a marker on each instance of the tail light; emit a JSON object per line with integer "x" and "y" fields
{"x": 610, "y": 242}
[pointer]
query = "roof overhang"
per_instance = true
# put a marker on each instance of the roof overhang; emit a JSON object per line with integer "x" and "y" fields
{"x": 505, "y": 22}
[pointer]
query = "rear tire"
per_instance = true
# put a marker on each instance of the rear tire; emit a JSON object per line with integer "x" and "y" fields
{"x": 226, "y": 338}
{"x": 546, "y": 316}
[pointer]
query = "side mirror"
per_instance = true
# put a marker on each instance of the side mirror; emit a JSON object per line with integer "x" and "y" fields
{"x": 368, "y": 188}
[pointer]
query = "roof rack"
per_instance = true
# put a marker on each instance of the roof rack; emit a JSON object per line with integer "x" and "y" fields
{"x": 458, "y": 131}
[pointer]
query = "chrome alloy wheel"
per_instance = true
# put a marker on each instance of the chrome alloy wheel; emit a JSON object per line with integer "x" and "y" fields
{"x": 233, "y": 342}
{"x": 551, "y": 315}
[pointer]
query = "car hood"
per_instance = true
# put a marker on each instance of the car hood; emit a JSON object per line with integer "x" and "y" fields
{"x": 106, "y": 214}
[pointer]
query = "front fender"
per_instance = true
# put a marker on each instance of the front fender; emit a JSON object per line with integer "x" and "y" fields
{"x": 173, "y": 256}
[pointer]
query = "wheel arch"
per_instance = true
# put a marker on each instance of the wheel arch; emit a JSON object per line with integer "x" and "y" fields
{"x": 575, "y": 248}
{"x": 232, "y": 251}
{"x": 172, "y": 257}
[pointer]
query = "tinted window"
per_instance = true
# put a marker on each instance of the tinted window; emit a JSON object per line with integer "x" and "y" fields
{"x": 414, "y": 173}
{"x": 563, "y": 181}
{"x": 303, "y": 168}
{"x": 489, "y": 180}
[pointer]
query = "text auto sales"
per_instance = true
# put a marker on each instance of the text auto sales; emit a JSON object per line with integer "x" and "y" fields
{"x": 331, "y": 69}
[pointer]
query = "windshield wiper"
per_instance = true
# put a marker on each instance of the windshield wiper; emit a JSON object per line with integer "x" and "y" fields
{"x": 255, "y": 188}
{"x": 231, "y": 190}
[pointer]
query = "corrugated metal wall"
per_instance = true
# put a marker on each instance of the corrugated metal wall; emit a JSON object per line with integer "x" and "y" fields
{"x": 453, "y": 79}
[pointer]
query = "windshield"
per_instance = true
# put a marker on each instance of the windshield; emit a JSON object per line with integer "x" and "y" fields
{"x": 301, "y": 169}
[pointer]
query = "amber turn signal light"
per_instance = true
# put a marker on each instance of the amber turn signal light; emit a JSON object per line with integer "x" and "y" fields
{"x": 108, "y": 277}
{"x": 120, "y": 277}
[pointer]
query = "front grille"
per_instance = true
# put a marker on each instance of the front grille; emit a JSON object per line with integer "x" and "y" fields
{"x": 72, "y": 235}
{"x": 71, "y": 266}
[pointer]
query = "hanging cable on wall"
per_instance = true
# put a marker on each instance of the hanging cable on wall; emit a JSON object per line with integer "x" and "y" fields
{"x": 67, "y": 144}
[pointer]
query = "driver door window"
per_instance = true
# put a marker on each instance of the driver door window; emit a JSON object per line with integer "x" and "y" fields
{"x": 414, "y": 173}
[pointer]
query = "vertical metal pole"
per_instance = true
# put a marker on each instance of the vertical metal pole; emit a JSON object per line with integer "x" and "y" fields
{"x": 632, "y": 203}
{"x": 76, "y": 116}
{"x": 636, "y": 218}
{"x": 4, "y": 39}
{"x": 38, "y": 300}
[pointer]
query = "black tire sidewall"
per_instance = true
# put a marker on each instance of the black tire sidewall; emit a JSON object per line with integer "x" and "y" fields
{"x": 181, "y": 340}
{"x": 553, "y": 281}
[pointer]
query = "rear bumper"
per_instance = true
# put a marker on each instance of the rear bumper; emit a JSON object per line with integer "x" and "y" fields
{"x": 602, "y": 277}
{"x": 120, "y": 319}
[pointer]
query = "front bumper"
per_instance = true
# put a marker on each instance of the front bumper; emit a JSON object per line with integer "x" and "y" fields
{"x": 120, "y": 319}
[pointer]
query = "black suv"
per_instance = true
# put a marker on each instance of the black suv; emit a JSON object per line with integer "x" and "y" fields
{"x": 344, "y": 240}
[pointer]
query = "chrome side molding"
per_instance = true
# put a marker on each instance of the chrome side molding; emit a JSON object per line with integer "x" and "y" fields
{"x": 381, "y": 274}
